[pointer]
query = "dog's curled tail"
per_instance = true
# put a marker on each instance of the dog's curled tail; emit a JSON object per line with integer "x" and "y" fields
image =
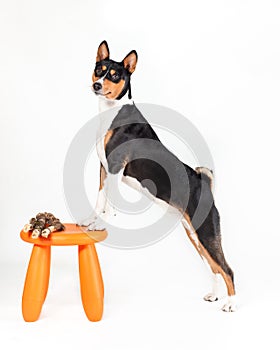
{"x": 208, "y": 175}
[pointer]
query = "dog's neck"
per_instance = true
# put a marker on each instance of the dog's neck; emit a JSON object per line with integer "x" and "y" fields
{"x": 105, "y": 119}
{"x": 105, "y": 104}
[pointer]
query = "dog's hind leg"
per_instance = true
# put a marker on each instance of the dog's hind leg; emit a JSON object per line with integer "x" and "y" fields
{"x": 208, "y": 244}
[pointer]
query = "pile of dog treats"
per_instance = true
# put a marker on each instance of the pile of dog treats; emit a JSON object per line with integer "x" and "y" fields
{"x": 43, "y": 224}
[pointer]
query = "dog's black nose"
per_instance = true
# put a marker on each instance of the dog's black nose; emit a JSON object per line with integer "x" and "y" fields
{"x": 97, "y": 86}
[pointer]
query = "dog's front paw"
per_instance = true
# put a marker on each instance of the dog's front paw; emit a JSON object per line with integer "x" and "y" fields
{"x": 88, "y": 221}
{"x": 97, "y": 225}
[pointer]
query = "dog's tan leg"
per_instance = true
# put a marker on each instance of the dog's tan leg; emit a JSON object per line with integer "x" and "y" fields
{"x": 217, "y": 265}
{"x": 102, "y": 177}
{"x": 101, "y": 198}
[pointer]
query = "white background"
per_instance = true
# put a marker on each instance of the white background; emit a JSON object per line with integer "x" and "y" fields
{"x": 216, "y": 62}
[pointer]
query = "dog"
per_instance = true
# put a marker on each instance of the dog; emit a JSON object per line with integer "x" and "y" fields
{"x": 127, "y": 151}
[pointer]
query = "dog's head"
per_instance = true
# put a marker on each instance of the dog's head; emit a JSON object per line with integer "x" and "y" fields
{"x": 111, "y": 79}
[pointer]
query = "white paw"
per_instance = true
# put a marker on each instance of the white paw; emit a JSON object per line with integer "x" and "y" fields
{"x": 88, "y": 221}
{"x": 230, "y": 306}
{"x": 97, "y": 225}
{"x": 109, "y": 212}
{"x": 210, "y": 297}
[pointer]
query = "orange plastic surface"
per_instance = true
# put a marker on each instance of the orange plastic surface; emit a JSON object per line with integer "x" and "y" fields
{"x": 38, "y": 272}
{"x": 91, "y": 282}
{"x": 72, "y": 235}
{"x": 36, "y": 283}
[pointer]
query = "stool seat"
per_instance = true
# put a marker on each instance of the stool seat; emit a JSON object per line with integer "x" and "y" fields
{"x": 72, "y": 235}
{"x": 38, "y": 272}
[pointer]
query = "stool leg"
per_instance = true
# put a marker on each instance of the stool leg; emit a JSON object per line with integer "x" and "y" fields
{"x": 36, "y": 282}
{"x": 99, "y": 274}
{"x": 91, "y": 282}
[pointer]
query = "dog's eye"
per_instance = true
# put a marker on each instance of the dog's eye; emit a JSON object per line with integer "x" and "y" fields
{"x": 98, "y": 71}
{"x": 115, "y": 76}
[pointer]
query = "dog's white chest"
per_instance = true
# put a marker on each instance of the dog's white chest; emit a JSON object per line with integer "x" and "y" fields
{"x": 108, "y": 111}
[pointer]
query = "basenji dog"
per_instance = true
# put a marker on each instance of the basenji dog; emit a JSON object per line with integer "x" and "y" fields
{"x": 130, "y": 148}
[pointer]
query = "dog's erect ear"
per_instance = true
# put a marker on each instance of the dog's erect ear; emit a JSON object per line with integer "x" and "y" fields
{"x": 103, "y": 52}
{"x": 130, "y": 61}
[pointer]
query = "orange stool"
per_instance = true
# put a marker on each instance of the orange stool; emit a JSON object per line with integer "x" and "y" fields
{"x": 38, "y": 272}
